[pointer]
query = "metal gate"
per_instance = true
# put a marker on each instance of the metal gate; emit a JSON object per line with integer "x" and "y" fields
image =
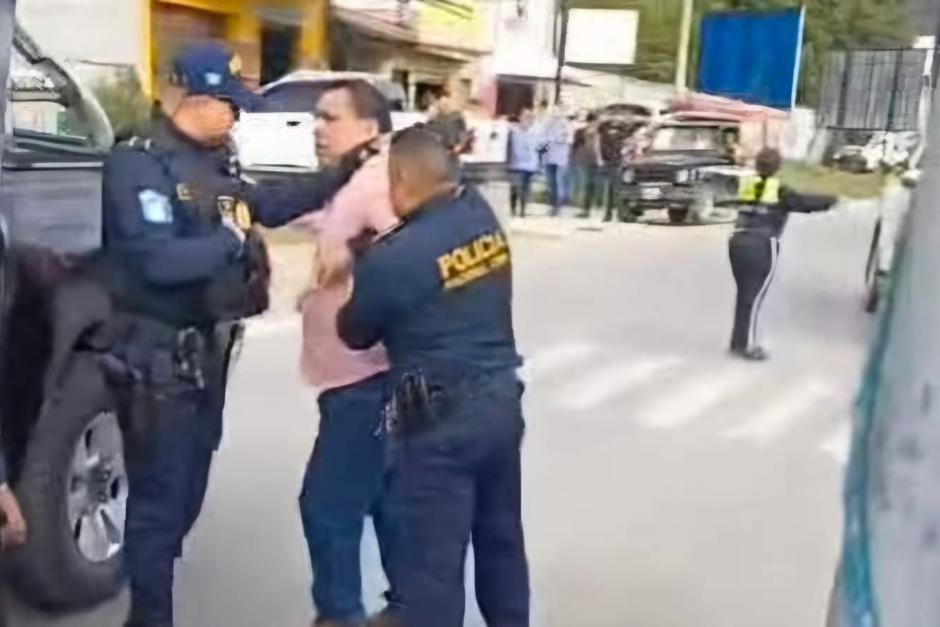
{"x": 876, "y": 90}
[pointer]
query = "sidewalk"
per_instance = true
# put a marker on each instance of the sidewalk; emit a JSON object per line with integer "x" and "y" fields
{"x": 539, "y": 223}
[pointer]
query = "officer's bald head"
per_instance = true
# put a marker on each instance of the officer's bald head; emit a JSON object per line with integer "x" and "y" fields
{"x": 421, "y": 168}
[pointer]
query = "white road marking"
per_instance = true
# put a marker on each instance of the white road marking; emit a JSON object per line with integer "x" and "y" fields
{"x": 838, "y": 444}
{"x": 782, "y": 412}
{"x": 555, "y": 359}
{"x": 269, "y": 327}
{"x": 686, "y": 403}
{"x": 598, "y": 386}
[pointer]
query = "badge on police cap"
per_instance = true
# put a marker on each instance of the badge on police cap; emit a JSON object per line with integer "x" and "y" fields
{"x": 235, "y": 66}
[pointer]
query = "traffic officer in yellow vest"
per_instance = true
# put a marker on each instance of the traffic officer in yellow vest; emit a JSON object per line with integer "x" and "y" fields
{"x": 755, "y": 245}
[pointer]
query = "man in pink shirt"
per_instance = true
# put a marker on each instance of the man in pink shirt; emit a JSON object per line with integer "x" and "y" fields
{"x": 343, "y": 480}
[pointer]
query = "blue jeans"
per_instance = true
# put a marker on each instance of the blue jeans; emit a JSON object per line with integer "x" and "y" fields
{"x": 343, "y": 485}
{"x": 457, "y": 481}
{"x": 557, "y": 176}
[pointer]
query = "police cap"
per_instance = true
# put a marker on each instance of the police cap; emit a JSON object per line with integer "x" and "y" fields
{"x": 208, "y": 68}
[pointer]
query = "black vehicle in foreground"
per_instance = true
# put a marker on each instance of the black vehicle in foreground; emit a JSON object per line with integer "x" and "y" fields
{"x": 60, "y": 417}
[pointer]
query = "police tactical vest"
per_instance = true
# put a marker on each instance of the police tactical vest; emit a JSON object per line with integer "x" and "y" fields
{"x": 242, "y": 290}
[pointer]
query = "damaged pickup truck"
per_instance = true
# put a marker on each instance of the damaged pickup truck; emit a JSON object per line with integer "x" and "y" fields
{"x": 681, "y": 164}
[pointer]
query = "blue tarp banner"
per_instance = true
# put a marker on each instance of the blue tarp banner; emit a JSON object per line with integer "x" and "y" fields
{"x": 752, "y": 56}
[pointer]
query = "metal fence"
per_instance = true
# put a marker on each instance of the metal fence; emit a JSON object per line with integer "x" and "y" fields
{"x": 876, "y": 90}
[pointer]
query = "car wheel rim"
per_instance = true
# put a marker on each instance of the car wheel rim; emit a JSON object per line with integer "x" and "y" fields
{"x": 97, "y": 490}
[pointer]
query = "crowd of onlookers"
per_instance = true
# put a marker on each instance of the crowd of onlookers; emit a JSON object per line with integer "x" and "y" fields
{"x": 578, "y": 166}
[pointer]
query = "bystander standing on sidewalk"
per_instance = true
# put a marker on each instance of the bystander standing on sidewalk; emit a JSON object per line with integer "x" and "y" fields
{"x": 524, "y": 142}
{"x": 586, "y": 164}
{"x": 555, "y": 130}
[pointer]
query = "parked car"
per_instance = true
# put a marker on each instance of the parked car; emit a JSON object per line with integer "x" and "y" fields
{"x": 276, "y": 140}
{"x": 60, "y": 417}
{"x": 883, "y": 150}
{"x": 893, "y": 208}
{"x": 682, "y": 164}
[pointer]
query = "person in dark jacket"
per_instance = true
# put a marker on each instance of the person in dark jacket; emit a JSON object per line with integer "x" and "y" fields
{"x": 184, "y": 268}
{"x": 438, "y": 293}
{"x": 755, "y": 244}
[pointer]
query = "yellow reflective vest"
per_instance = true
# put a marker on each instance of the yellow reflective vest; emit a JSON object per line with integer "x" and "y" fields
{"x": 749, "y": 186}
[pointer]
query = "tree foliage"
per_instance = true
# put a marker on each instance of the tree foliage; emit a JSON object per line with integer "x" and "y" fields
{"x": 830, "y": 25}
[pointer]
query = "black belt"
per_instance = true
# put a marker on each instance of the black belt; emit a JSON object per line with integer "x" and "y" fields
{"x": 418, "y": 402}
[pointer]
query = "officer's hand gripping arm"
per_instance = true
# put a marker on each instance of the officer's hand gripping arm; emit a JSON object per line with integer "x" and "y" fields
{"x": 277, "y": 203}
{"x": 361, "y": 321}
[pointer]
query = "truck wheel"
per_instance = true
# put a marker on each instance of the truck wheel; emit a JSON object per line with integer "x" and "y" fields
{"x": 874, "y": 280}
{"x": 73, "y": 491}
{"x": 678, "y": 215}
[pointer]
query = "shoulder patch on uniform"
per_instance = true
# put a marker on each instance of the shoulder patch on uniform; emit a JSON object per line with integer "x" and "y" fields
{"x": 155, "y": 207}
{"x": 183, "y": 192}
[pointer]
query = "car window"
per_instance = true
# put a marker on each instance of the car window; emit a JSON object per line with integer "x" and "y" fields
{"x": 686, "y": 138}
{"x": 34, "y": 108}
{"x": 300, "y": 97}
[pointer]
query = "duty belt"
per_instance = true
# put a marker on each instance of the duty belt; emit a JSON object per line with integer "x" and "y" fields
{"x": 188, "y": 345}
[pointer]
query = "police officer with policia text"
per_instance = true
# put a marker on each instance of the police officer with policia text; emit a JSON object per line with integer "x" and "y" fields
{"x": 438, "y": 293}
{"x": 765, "y": 205}
{"x": 184, "y": 267}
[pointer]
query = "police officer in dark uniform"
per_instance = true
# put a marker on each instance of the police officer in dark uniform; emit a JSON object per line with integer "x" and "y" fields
{"x": 755, "y": 245}
{"x": 184, "y": 268}
{"x": 437, "y": 292}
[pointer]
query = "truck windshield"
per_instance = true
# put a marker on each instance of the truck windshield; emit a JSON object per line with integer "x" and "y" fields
{"x": 671, "y": 138}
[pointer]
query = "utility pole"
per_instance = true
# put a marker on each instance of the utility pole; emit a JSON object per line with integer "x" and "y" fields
{"x": 685, "y": 41}
{"x": 564, "y": 8}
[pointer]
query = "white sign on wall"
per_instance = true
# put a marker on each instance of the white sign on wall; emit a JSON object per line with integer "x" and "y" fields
{"x": 602, "y": 36}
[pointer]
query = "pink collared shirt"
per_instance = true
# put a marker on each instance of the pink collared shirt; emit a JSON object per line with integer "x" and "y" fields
{"x": 326, "y": 362}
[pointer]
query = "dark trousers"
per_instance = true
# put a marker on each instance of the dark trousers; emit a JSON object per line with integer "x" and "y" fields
{"x": 556, "y": 193}
{"x": 520, "y": 191}
{"x": 167, "y": 479}
{"x": 753, "y": 263}
{"x": 457, "y": 481}
{"x": 610, "y": 177}
{"x": 168, "y": 466}
{"x": 592, "y": 186}
{"x": 342, "y": 486}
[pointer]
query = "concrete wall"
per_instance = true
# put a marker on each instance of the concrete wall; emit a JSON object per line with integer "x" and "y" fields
{"x": 88, "y": 32}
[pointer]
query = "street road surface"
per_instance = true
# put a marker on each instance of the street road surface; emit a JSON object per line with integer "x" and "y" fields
{"x": 666, "y": 485}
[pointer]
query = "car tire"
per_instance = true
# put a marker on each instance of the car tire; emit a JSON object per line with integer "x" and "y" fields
{"x": 678, "y": 215}
{"x": 73, "y": 560}
{"x": 874, "y": 279}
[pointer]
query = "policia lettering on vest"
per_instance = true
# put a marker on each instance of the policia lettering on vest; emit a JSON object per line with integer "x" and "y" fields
{"x": 765, "y": 204}
{"x": 437, "y": 292}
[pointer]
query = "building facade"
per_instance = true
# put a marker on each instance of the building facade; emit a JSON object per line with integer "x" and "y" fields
{"x": 271, "y": 36}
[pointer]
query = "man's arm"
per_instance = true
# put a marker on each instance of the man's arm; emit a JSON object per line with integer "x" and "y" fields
{"x": 362, "y": 320}
{"x": 796, "y": 202}
{"x": 143, "y": 218}
{"x": 277, "y": 203}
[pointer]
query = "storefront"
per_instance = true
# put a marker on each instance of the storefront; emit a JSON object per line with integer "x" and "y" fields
{"x": 272, "y": 37}
{"x": 412, "y": 50}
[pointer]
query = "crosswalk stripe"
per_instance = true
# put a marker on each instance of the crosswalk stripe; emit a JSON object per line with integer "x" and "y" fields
{"x": 695, "y": 398}
{"x": 601, "y": 385}
{"x": 782, "y": 412}
{"x": 556, "y": 358}
{"x": 837, "y": 445}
